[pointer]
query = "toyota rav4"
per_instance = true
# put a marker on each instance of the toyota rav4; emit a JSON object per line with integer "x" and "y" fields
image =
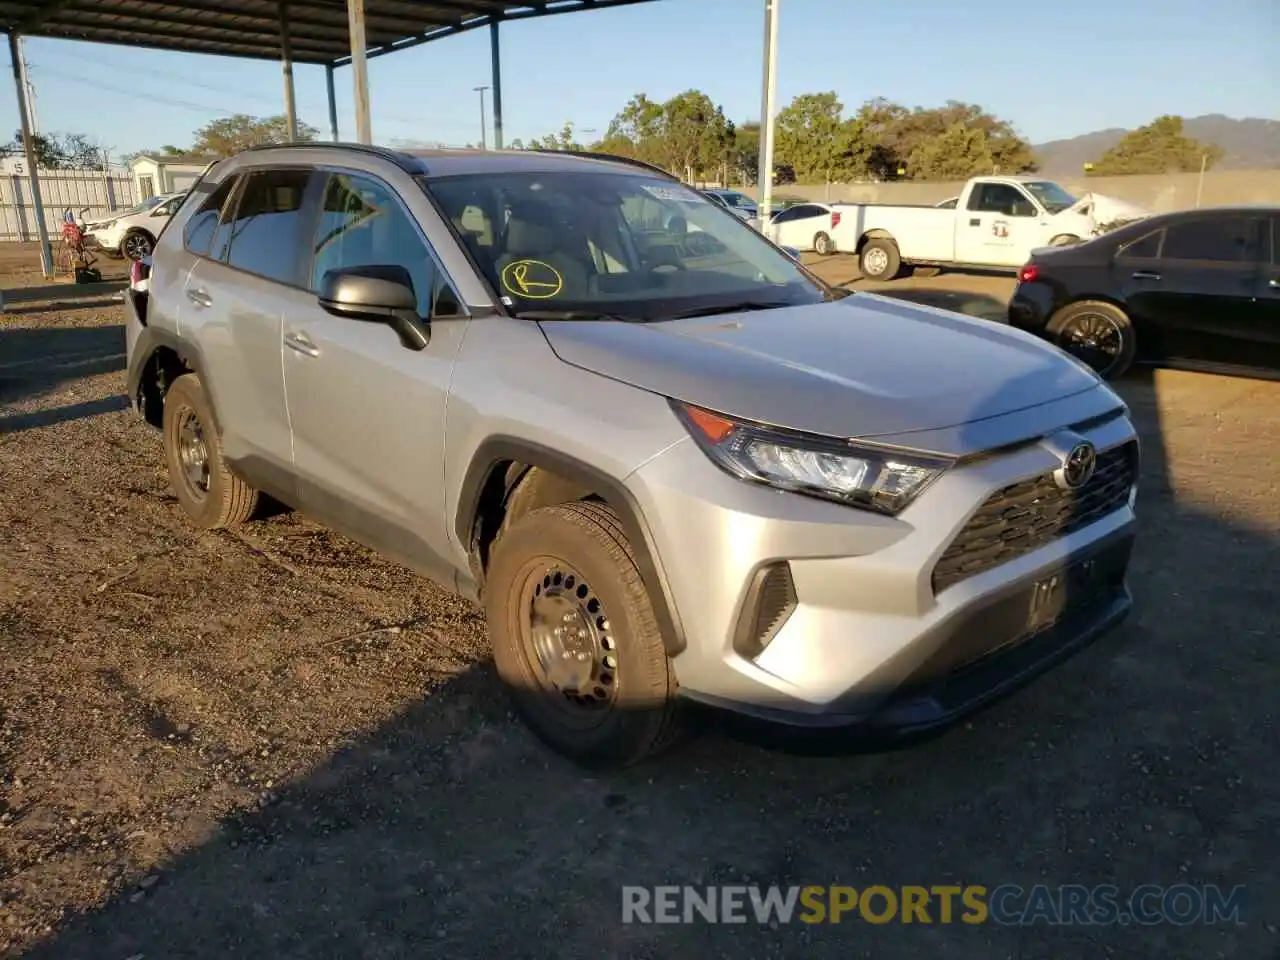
{"x": 670, "y": 463}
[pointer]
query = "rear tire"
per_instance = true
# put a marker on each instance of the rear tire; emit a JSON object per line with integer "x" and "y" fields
{"x": 603, "y": 693}
{"x": 208, "y": 492}
{"x": 880, "y": 259}
{"x": 1097, "y": 333}
{"x": 823, "y": 245}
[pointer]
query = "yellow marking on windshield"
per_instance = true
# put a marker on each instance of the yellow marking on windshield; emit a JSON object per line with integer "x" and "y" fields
{"x": 532, "y": 279}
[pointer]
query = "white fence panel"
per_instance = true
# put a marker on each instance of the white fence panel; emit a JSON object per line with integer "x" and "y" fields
{"x": 89, "y": 194}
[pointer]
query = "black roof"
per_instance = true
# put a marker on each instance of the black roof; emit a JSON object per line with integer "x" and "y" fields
{"x": 251, "y": 28}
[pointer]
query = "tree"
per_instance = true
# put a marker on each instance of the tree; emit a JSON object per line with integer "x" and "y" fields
{"x": 60, "y": 151}
{"x": 637, "y": 131}
{"x": 957, "y": 153}
{"x": 897, "y": 133}
{"x": 816, "y": 140}
{"x": 229, "y": 135}
{"x": 696, "y": 132}
{"x": 564, "y": 140}
{"x": 1159, "y": 147}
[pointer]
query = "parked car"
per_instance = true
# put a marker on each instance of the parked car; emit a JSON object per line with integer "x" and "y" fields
{"x": 733, "y": 201}
{"x": 806, "y": 226}
{"x": 1197, "y": 288}
{"x": 132, "y": 233}
{"x": 670, "y": 470}
{"x": 994, "y": 225}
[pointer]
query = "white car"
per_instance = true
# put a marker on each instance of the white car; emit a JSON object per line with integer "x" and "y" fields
{"x": 995, "y": 223}
{"x": 132, "y": 233}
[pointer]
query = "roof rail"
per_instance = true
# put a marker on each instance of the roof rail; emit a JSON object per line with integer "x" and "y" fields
{"x": 616, "y": 158}
{"x": 406, "y": 162}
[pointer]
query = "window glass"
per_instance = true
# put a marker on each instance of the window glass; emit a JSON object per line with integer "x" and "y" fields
{"x": 1216, "y": 239}
{"x": 1148, "y": 246}
{"x": 1051, "y": 196}
{"x": 363, "y": 224}
{"x": 200, "y": 227}
{"x": 264, "y": 235}
{"x": 1000, "y": 198}
{"x": 167, "y": 208}
{"x": 619, "y": 244}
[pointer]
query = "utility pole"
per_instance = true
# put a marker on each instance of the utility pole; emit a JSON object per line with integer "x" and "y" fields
{"x": 769, "y": 94}
{"x": 483, "y": 122}
{"x": 29, "y": 88}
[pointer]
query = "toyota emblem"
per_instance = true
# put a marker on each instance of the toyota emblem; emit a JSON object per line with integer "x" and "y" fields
{"x": 1077, "y": 467}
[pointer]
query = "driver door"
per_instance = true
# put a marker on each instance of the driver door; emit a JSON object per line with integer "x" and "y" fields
{"x": 998, "y": 226}
{"x": 368, "y": 412}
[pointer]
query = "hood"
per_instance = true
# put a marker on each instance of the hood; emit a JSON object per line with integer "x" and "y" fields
{"x": 1106, "y": 209}
{"x": 863, "y": 367}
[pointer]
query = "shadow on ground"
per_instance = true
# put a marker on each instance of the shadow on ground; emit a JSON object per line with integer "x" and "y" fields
{"x": 449, "y": 831}
{"x": 38, "y": 360}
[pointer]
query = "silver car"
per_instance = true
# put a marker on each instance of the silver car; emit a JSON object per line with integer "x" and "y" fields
{"x": 670, "y": 463}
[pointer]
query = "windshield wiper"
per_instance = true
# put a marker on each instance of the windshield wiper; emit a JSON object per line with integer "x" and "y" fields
{"x": 740, "y": 307}
{"x": 575, "y": 315}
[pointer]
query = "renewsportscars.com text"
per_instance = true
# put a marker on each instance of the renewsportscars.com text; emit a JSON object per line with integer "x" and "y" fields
{"x": 1007, "y": 904}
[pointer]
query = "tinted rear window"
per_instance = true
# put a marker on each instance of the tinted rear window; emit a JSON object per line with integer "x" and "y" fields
{"x": 200, "y": 227}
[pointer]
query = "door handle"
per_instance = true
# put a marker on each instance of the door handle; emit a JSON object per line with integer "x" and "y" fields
{"x": 301, "y": 343}
{"x": 1145, "y": 275}
{"x": 975, "y": 222}
{"x": 200, "y": 297}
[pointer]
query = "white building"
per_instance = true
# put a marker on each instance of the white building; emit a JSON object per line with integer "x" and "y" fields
{"x": 153, "y": 176}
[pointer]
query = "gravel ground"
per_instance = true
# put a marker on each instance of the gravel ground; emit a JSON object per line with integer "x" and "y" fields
{"x": 276, "y": 744}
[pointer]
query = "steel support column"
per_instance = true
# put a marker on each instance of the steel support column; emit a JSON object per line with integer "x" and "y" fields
{"x": 359, "y": 70}
{"x": 495, "y": 49}
{"x": 767, "y": 112}
{"x": 333, "y": 102}
{"x": 286, "y": 60}
{"x": 28, "y": 146}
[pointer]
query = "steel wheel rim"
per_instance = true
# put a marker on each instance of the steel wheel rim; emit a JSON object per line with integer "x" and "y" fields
{"x": 1094, "y": 338}
{"x": 193, "y": 453}
{"x": 569, "y": 643}
{"x": 136, "y": 247}
{"x": 876, "y": 261}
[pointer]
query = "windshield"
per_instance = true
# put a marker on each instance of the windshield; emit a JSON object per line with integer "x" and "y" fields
{"x": 1051, "y": 196}
{"x": 142, "y": 207}
{"x": 739, "y": 200}
{"x": 627, "y": 246}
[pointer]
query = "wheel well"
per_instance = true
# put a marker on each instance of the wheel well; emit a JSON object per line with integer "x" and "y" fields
{"x": 510, "y": 491}
{"x": 1091, "y": 298}
{"x": 161, "y": 369}
{"x": 874, "y": 235}
{"x": 512, "y": 487}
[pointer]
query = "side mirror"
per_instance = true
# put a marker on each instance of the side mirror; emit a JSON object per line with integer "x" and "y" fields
{"x": 376, "y": 294}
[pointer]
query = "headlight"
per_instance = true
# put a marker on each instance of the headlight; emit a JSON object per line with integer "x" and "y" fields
{"x": 865, "y": 476}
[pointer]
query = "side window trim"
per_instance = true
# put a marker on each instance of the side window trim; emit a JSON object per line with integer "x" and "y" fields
{"x": 327, "y": 172}
{"x": 1124, "y": 254}
{"x": 232, "y": 181}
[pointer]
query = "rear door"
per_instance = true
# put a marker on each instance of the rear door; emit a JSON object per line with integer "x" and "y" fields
{"x": 1197, "y": 300}
{"x": 234, "y": 305}
{"x": 1268, "y": 298}
{"x": 797, "y": 226}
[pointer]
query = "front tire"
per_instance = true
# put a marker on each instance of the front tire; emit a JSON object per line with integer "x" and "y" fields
{"x": 208, "y": 492}
{"x": 823, "y": 245}
{"x": 1097, "y": 333}
{"x": 880, "y": 259}
{"x": 137, "y": 244}
{"x": 575, "y": 640}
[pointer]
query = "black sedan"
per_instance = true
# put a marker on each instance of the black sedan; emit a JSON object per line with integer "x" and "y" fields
{"x": 1198, "y": 289}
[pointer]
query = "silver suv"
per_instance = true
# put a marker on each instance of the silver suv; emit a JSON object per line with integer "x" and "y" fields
{"x": 670, "y": 463}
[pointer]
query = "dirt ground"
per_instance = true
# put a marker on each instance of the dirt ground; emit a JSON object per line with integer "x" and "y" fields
{"x": 275, "y": 744}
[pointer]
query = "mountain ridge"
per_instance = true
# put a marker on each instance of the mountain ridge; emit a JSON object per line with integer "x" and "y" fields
{"x": 1248, "y": 143}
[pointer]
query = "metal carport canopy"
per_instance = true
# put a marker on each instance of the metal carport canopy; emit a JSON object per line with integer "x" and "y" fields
{"x": 331, "y": 33}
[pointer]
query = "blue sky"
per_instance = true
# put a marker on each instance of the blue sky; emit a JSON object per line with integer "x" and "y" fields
{"x": 1055, "y": 71}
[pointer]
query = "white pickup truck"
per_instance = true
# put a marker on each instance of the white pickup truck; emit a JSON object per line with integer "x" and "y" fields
{"x": 995, "y": 223}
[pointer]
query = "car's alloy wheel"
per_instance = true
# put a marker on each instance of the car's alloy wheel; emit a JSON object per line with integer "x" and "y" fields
{"x": 193, "y": 454}
{"x": 1094, "y": 338}
{"x": 136, "y": 246}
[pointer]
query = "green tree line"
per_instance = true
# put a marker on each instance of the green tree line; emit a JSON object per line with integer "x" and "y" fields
{"x": 817, "y": 140}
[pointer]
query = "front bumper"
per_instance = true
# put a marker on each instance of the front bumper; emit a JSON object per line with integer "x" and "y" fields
{"x": 108, "y": 242}
{"x": 866, "y": 640}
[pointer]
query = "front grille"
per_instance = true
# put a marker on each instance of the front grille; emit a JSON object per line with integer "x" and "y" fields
{"x": 1026, "y": 515}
